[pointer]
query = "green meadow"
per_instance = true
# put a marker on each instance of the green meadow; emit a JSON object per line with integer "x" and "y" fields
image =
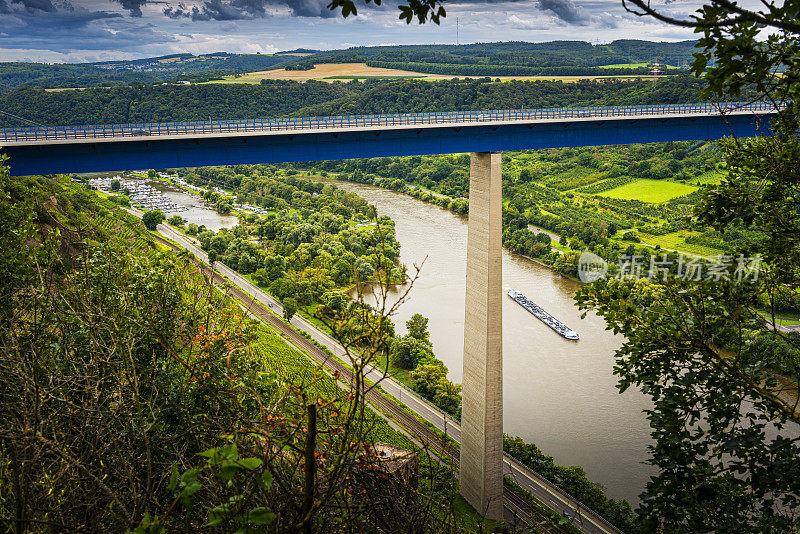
{"x": 648, "y": 190}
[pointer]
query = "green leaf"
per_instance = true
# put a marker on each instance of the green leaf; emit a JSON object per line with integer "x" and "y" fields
{"x": 174, "y": 478}
{"x": 260, "y": 516}
{"x": 250, "y": 463}
{"x": 228, "y": 469}
{"x": 190, "y": 476}
{"x": 265, "y": 480}
{"x": 348, "y": 8}
{"x": 231, "y": 452}
{"x": 210, "y": 453}
{"x": 192, "y": 488}
{"x": 214, "y": 521}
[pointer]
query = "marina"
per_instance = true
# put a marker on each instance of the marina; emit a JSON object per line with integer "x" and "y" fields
{"x": 141, "y": 194}
{"x": 541, "y": 314}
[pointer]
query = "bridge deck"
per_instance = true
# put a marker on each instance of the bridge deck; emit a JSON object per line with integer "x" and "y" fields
{"x": 192, "y": 129}
{"x": 64, "y": 149}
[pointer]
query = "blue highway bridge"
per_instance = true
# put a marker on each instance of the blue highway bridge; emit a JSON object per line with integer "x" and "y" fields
{"x": 485, "y": 134}
{"x": 62, "y": 149}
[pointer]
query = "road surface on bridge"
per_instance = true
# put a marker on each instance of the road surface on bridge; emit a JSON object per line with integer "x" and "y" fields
{"x": 348, "y": 123}
{"x": 117, "y": 147}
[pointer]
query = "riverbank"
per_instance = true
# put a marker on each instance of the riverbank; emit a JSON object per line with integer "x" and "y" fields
{"x": 558, "y": 394}
{"x": 460, "y": 208}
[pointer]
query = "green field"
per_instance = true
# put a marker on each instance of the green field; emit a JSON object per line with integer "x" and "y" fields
{"x": 231, "y": 80}
{"x": 711, "y": 177}
{"x": 650, "y": 191}
{"x": 676, "y": 241}
{"x": 633, "y": 66}
{"x": 624, "y": 66}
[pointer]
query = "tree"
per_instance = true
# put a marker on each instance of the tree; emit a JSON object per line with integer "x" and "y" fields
{"x": 427, "y": 375}
{"x": 726, "y": 433}
{"x": 364, "y": 269}
{"x": 289, "y": 308}
{"x": 152, "y": 174}
{"x": 152, "y": 219}
{"x": 448, "y": 397}
{"x": 246, "y": 264}
{"x": 115, "y": 184}
{"x": 130, "y": 348}
{"x": 407, "y": 351}
{"x": 212, "y": 256}
{"x": 175, "y": 220}
{"x": 275, "y": 266}
{"x": 224, "y": 207}
{"x": 417, "y": 327}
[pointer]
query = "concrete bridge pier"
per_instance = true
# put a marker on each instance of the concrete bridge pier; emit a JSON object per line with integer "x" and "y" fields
{"x": 481, "y": 463}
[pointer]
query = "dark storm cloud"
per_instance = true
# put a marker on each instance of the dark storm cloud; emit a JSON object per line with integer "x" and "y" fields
{"x": 210, "y": 10}
{"x": 226, "y": 10}
{"x": 36, "y": 5}
{"x": 473, "y": 2}
{"x": 134, "y": 7}
{"x": 61, "y": 27}
{"x": 313, "y": 8}
{"x": 567, "y": 11}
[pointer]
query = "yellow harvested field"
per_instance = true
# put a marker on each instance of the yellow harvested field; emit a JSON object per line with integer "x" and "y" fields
{"x": 324, "y": 70}
{"x": 329, "y": 72}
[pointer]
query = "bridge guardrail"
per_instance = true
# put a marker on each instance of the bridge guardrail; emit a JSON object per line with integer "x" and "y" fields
{"x": 43, "y": 133}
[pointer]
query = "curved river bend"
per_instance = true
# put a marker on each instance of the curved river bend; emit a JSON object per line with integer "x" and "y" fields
{"x": 558, "y": 394}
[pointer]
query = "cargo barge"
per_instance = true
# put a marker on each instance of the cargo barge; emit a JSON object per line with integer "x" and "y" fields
{"x": 543, "y": 316}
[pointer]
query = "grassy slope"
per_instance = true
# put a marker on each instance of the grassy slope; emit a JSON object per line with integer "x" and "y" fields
{"x": 288, "y": 362}
{"x": 650, "y": 191}
{"x": 624, "y": 66}
{"x": 710, "y": 177}
{"x": 676, "y": 241}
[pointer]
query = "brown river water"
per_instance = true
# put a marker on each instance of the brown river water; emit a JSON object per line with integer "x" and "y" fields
{"x": 558, "y": 394}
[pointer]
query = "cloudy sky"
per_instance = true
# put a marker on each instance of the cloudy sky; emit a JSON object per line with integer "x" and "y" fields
{"x": 96, "y": 30}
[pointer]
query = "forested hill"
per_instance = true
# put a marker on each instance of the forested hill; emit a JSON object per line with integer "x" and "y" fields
{"x": 146, "y": 71}
{"x": 481, "y": 59}
{"x": 284, "y": 98}
{"x": 461, "y": 95}
{"x": 511, "y": 58}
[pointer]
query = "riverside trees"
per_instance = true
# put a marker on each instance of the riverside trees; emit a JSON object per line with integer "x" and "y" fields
{"x": 136, "y": 397}
{"x": 152, "y": 219}
{"x": 726, "y": 426}
{"x": 315, "y": 238}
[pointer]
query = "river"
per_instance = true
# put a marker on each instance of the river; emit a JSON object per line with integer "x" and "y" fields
{"x": 196, "y": 212}
{"x": 558, "y": 394}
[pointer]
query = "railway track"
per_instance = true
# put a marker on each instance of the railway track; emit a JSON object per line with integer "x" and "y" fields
{"x": 518, "y": 505}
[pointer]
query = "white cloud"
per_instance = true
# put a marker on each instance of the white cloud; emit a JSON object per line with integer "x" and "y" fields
{"x": 525, "y": 23}
{"x": 101, "y": 29}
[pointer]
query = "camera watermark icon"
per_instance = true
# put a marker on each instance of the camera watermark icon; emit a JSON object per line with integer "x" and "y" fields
{"x": 592, "y": 267}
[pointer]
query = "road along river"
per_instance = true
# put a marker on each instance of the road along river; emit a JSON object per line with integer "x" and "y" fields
{"x": 558, "y": 394}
